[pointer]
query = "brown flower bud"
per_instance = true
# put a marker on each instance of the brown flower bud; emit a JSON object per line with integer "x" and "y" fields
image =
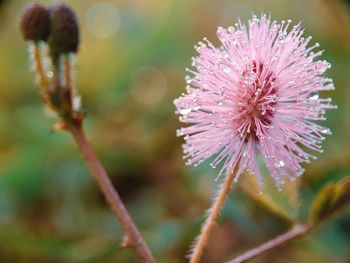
{"x": 64, "y": 30}
{"x": 35, "y": 23}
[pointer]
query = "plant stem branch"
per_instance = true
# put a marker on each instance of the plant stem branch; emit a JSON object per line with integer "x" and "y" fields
{"x": 38, "y": 67}
{"x": 68, "y": 80}
{"x": 211, "y": 219}
{"x": 296, "y": 231}
{"x": 133, "y": 238}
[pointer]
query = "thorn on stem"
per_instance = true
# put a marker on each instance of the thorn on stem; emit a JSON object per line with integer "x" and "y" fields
{"x": 59, "y": 126}
{"x": 126, "y": 243}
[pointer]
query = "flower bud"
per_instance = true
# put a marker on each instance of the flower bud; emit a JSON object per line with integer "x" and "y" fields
{"x": 35, "y": 23}
{"x": 64, "y": 30}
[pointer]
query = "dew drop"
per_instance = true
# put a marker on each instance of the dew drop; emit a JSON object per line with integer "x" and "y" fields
{"x": 321, "y": 66}
{"x": 185, "y": 111}
{"x": 281, "y": 164}
{"x": 179, "y": 132}
{"x": 248, "y": 77}
{"x": 314, "y": 97}
{"x": 326, "y": 131}
{"x": 223, "y": 66}
{"x": 49, "y": 74}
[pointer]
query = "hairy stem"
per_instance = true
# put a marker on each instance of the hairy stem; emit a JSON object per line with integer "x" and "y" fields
{"x": 211, "y": 219}
{"x": 133, "y": 238}
{"x": 296, "y": 231}
{"x": 67, "y": 66}
{"x": 38, "y": 67}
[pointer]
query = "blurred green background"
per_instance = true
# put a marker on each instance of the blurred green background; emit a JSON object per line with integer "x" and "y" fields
{"x": 129, "y": 69}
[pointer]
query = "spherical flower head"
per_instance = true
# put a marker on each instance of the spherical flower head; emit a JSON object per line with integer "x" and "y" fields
{"x": 35, "y": 23}
{"x": 64, "y": 30}
{"x": 256, "y": 96}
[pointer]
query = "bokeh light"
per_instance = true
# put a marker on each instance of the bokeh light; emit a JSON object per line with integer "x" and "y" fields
{"x": 103, "y": 20}
{"x": 147, "y": 85}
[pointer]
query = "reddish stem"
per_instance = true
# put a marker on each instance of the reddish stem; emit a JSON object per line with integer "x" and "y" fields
{"x": 296, "y": 231}
{"x": 210, "y": 222}
{"x": 133, "y": 237}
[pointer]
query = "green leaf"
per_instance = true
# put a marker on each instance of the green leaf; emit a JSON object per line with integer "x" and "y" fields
{"x": 332, "y": 198}
{"x": 284, "y": 203}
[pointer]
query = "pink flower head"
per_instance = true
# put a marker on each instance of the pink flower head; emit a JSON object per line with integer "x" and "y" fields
{"x": 255, "y": 96}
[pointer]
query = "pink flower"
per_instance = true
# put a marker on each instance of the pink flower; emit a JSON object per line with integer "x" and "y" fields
{"x": 255, "y": 97}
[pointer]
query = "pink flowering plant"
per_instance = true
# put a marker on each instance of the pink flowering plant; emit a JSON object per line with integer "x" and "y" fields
{"x": 251, "y": 104}
{"x": 256, "y": 96}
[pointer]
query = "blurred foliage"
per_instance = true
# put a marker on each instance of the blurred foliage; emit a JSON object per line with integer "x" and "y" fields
{"x": 331, "y": 199}
{"x": 129, "y": 70}
{"x": 284, "y": 203}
